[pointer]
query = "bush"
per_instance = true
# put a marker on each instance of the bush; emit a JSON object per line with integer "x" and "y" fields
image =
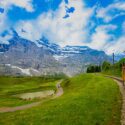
{"x": 115, "y": 69}
{"x": 93, "y": 68}
{"x": 106, "y": 66}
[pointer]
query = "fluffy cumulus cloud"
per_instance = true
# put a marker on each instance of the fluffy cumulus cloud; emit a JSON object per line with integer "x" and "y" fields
{"x": 2, "y": 21}
{"x": 118, "y": 45}
{"x": 70, "y": 31}
{"x": 26, "y": 4}
{"x": 102, "y": 36}
{"x": 74, "y": 30}
{"x": 5, "y": 36}
{"x": 112, "y": 11}
{"x": 104, "y": 40}
{"x": 123, "y": 27}
{"x": 77, "y": 28}
{"x": 4, "y": 40}
{"x": 5, "y": 6}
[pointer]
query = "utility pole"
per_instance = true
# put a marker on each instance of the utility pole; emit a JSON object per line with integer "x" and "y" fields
{"x": 113, "y": 59}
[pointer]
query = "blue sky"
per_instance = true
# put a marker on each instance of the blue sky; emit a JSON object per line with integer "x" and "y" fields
{"x": 99, "y": 24}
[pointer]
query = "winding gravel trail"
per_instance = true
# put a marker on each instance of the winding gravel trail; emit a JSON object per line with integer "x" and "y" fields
{"x": 59, "y": 90}
{"x": 23, "y": 107}
{"x": 122, "y": 90}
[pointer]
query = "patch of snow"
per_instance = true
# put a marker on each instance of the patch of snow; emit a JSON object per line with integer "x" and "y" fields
{"x": 25, "y": 71}
{"x": 75, "y": 48}
{"x": 59, "y": 57}
{"x": 39, "y": 45}
{"x": 7, "y": 64}
{"x": 69, "y": 51}
{"x": 34, "y": 70}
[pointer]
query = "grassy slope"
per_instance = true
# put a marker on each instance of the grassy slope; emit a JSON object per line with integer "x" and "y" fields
{"x": 10, "y": 86}
{"x": 113, "y": 72}
{"x": 88, "y": 100}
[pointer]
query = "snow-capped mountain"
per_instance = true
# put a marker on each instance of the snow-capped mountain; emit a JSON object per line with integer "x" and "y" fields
{"x": 24, "y": 57}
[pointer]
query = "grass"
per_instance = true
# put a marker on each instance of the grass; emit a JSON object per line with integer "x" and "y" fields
{"x": 10, "y": 86}
{"x": 113, "y": 72}
{"x": 88, "y": 99}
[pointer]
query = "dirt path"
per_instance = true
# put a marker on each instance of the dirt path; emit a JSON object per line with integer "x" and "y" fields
{"x": 13, "y": 109}
{"x": 59, "y": 90}
{"x": 122, "y": 90}
{"x": 121, "y": 85}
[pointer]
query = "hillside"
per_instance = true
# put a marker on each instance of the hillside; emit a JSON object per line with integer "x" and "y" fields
{"x": 114, "y": 70}
{"x": 88, "y": 99}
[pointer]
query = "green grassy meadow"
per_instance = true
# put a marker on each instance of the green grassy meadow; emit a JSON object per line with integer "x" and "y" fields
{"x": 88, "y": 99}
{"x": 10, "y": 86}
{"x": 113, "y": 72}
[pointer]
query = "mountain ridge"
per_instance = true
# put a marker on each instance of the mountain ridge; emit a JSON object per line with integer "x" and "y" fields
{"x": 43, "y": 57}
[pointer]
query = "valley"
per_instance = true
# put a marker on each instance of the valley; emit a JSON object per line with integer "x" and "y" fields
{"x": 62, "y": 62}
{"x": 87, "y": 99}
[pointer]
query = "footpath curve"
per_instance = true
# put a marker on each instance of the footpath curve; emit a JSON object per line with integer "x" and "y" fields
{"x": 58, "y": 93}
{"x": 122, "y": 90}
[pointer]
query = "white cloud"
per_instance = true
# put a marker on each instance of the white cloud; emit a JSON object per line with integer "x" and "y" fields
{"x": 4, "y": 40}
{"x": 102, "y": 37}
{"x": 117, "y": 46}
{"x": 71, "y": 31}
{"x": 123, "y": 27}
{"x": 6, "y": 5}
{"x": 112, "y": 11}
{"x": 26, "y": 4}
{"x": 31, "y": 31}
{"x": 3, "y": 19}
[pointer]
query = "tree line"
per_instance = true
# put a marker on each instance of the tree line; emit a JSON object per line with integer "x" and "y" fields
{"x": 107, "y": 67}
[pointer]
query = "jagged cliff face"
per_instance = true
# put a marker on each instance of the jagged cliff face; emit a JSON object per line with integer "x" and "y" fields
{"x": 24, "y": 57}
